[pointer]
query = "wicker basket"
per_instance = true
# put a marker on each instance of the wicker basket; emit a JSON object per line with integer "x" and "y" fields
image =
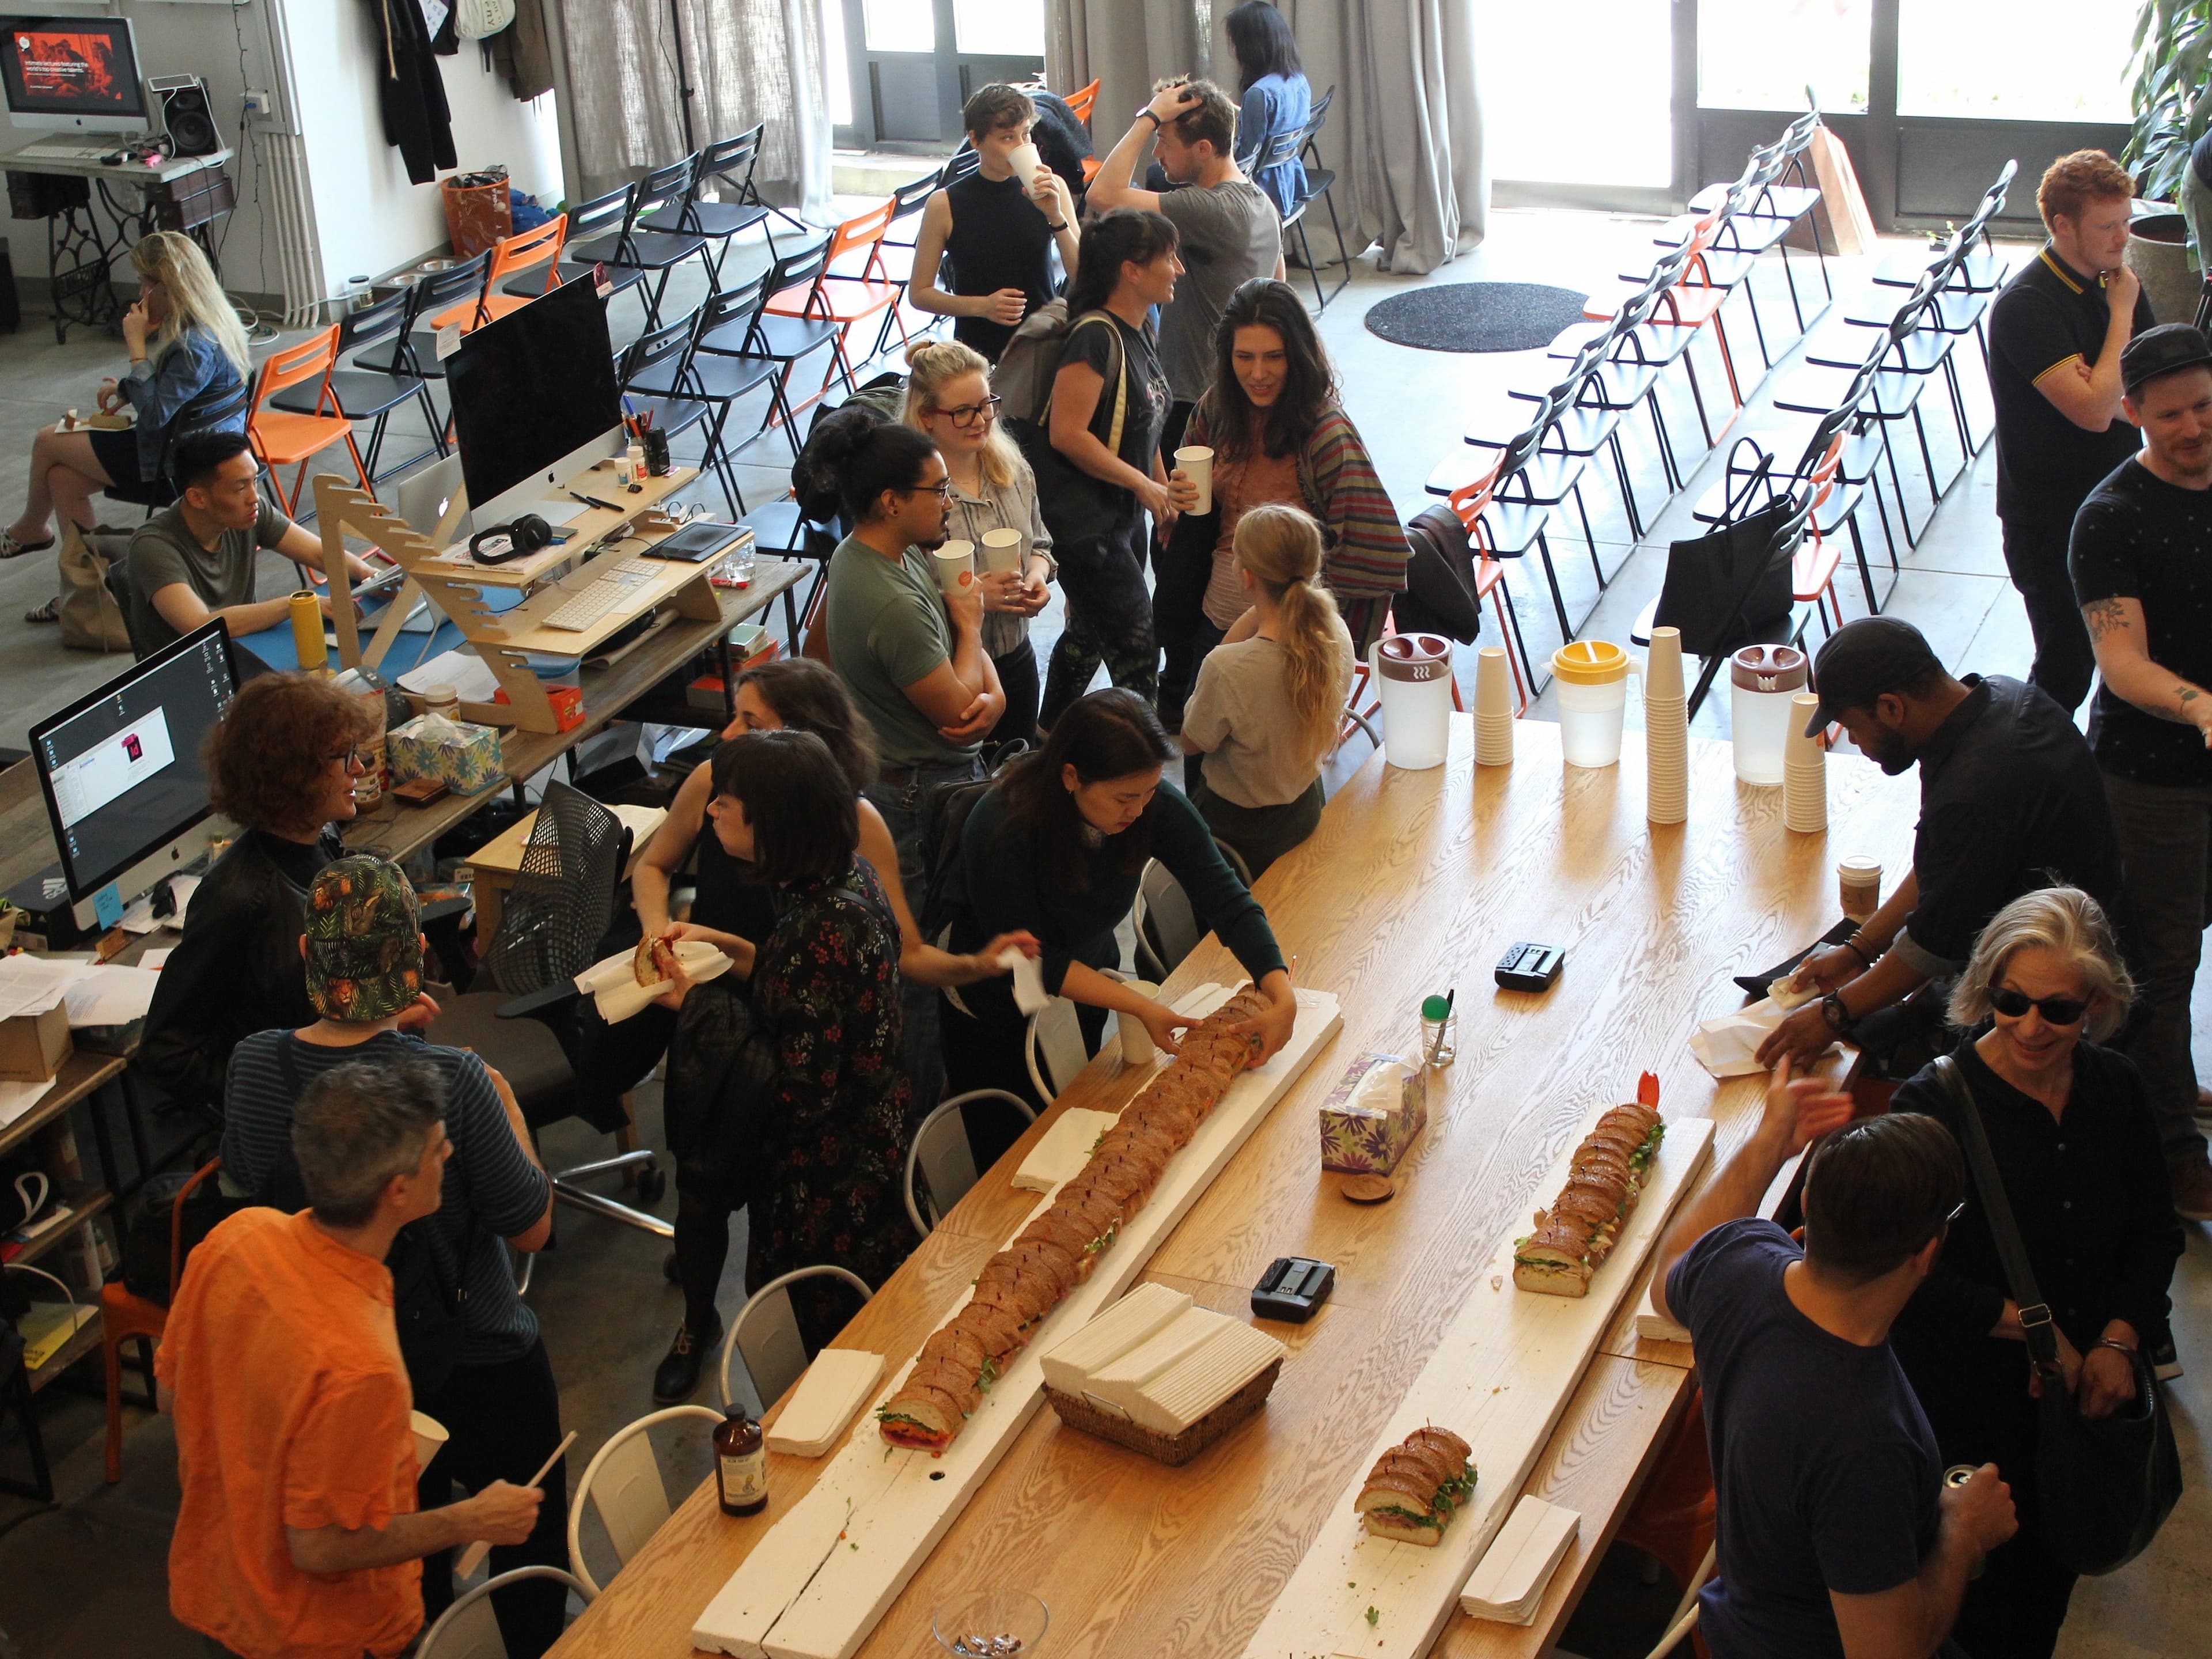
{"x": 1172, "y": 1449}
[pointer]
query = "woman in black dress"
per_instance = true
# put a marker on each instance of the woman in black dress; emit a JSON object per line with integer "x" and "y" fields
{"x": 2071, "y": 1132}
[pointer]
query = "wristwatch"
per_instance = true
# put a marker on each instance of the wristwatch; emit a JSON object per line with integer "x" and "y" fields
{"x": 1055, "y": 226}
{"x": 1146, "y": 114}
{"x": 1837, "y": 1016}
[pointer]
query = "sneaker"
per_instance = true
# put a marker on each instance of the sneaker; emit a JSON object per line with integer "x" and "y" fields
{"x": 2192, "y": 1187}
{"x": 678, "y": 1376}
{"x": 2165, "y": 1363}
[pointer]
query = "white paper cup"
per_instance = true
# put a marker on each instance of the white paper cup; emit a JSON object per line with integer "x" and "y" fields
{"x": 1024, "y": 160}
{"x": 1195, "y": 462}
{"x": 1003, "y": 550}
{"x": 1858, "y": 885}
{"x": 1492, "y": 694}
{"x": 1137, "y": 1042}
{"x": 429, "y": 1435}
{"x": 955, "y": 563}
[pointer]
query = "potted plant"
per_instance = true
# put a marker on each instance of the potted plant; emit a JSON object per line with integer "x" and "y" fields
{"x": 2172, "y": 105}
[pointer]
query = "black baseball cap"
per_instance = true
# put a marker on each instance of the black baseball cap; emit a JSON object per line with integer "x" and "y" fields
{"x": 2161, "y": 350}
{"x": 1863, "y": 658}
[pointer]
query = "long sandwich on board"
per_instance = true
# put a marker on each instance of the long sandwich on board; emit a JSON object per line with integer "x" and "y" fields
{"x": 1606, "y": 1173}
{"x": 1417, "y": 1487}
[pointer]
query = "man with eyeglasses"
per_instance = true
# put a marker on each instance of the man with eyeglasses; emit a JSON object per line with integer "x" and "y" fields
{"x": 1836, "y": 1535}
{"x": 2139, "y": 548}
{"x": 195, "y": 560}
{"x": 2010, "y": 801}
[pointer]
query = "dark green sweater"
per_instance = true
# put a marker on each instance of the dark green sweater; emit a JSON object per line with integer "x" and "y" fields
{"x": 998, "y": 884}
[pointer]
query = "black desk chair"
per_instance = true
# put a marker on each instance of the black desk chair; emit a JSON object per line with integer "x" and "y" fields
{"x": 560, "y": 916}
{"x": 364, "y": 394}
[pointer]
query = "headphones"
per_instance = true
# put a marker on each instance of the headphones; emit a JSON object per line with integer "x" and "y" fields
{"x": 519, "y": 540}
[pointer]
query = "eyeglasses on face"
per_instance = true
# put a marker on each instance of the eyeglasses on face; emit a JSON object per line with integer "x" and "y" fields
{"x": 349, "y": 758}
{"x": 942, "y": 489}
{"x": 967, "y": 415}
{"x": 2057, "y": 1010}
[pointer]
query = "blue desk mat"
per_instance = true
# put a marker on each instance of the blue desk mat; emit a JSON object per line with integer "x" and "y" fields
{"x": 275, "y": 646}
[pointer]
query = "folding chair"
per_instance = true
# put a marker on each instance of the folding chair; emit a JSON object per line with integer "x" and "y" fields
{"x": 897, "y": 257}
{"x": 845, "y": 298}
{"x": 1321, "y": 180}
{"x": 654, "y": 374}
{"x": 1080, "y": 101}
{"x": 280, "y": 437}
{"x": 783, "y": 340}
{"x": 437, "y": 292}
{"x": 1692, "y": 301}
{"x": 594, "y": 232}
{"x": 361, "y": 393}
{"x": 654, "y": 253}
{"x": 1285, "y": 147}
{"x": 726, "y": 162}
{"x": 511, "y": 256}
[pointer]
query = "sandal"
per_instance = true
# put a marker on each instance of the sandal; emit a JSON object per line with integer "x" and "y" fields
{"x": 51, "y": 611}
{"x": 12, "y": 549}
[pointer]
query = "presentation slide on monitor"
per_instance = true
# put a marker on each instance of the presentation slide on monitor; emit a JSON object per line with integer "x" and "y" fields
{"x": 76, "y": 66}
{"x": 112, "y": 767}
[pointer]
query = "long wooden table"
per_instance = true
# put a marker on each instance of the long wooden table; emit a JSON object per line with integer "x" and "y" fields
{"x": 1415, "y": 882}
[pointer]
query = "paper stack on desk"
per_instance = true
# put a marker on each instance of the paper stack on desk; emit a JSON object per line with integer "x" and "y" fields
{"x": 1063, "y": 1150}
{"x": 1508, "y": 1583}
{"x": 1157, "y": 1364}
{"x": 835, "y": 1386}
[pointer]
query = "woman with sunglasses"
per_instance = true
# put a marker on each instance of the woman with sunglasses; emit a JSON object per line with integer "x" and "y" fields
{"x": 948, "y": 396}
{"x": 2071, "y": 1130}
{"x": 281, "y": 765}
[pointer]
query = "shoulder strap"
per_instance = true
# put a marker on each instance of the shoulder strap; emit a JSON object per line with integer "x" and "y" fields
{"x": 1121, "y": 372}
{"x": 2034, "y": 1312}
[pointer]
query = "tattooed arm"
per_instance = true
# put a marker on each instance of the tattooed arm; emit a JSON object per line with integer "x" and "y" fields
{"x": 2117, "y": 635}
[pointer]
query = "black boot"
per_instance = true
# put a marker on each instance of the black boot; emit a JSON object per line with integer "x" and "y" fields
{"x": 678, "y": 1373}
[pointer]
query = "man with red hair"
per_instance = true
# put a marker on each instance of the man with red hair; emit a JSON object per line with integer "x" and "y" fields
{"x": 2055, "y": 333}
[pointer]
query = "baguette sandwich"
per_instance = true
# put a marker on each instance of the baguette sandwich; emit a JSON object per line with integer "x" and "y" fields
{"x": 654, "y": 962}
{"x": 1416, "y": 1488}
{"x": 1605, "y": 1177}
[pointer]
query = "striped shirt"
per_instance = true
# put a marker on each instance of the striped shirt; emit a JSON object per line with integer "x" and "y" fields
{"x": 492, "y": 1189}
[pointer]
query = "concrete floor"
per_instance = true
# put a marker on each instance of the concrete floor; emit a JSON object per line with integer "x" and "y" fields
{"x": 87, "y": 1577}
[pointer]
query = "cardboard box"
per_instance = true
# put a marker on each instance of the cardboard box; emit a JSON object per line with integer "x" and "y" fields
{"x": 568, "y": 703}
{"x": 1365, "y": 1129}
{"x": 33, "y": 1046}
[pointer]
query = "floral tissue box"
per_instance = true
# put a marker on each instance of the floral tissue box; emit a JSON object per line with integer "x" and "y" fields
{"x": 1372, "y": 1114}
{"x": 465, "y": 758}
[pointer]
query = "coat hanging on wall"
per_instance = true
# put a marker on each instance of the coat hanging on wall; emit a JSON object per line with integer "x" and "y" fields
{"x": 411, "y": 89}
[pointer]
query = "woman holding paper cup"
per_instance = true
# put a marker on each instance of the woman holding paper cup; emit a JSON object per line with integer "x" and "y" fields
{"x": 787, "y": 1092}
{"x": 1270, "y": 429}
{"x": 1057, "y": 847}
{"x": 995, "y": 510}
{"x": 1000, "y": 227}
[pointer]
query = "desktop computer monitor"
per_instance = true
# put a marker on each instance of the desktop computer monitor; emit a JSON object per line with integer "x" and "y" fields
{"x": 121, "y": 768}
{"x": 535, "y": 402}
{"x": 72, "y": 74}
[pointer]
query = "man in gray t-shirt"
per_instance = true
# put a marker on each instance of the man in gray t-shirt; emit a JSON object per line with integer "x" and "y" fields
{"x": 195, "y": 560}
{"x": 1229, "y": 231}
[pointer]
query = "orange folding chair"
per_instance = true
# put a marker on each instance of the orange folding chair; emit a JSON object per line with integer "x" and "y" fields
{"x": 1692, "y": 300}
{"x": 1468, "y": 503}
{"x": 280, "y": 437}
{"x": 511, "y": 256}
{"x": 1812, "y": 571}
{"x": 848, "y": 296}
{"x": 1080, "y": 101}
{"x": 125, "y": 1317}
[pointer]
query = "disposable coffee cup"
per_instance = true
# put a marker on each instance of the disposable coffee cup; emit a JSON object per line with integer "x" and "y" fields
{"x": 1858, "y": 885}
{"x": 1024, "y": 160}
{"x": 1492, "y": 695}
{"x": 1002, "y": 551}
{"x": 429, "y": 1435}
{"x": 1195, "y": 462}
{"x": 956, "y": 566}
{"x": 1136, "y": 1041}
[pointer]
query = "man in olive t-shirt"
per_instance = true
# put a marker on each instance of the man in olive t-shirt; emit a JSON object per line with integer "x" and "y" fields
{"x": 195, "y": 560}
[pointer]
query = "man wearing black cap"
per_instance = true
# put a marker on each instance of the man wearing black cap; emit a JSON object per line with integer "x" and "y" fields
{"x": 2143, "y": 569}
{"x": 2010, "y": 801}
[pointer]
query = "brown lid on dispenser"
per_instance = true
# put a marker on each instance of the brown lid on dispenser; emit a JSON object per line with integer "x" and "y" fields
{"x": 1413, "y": 657}
{"x": 1769, "y": 668}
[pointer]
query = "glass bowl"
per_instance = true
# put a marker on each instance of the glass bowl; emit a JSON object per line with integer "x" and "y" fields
{"x": 993, "y": 1624}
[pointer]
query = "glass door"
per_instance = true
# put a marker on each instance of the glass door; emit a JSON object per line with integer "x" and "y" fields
{"x": 899, "y": 70}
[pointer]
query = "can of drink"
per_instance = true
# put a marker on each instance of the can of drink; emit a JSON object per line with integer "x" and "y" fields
{"x": 1957, "y": 1474}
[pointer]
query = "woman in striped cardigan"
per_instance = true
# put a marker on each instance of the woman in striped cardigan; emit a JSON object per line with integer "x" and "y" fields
{"x": 1279, "y": 434}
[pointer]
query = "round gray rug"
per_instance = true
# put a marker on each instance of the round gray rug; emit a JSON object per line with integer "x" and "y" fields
{"x": 1477, "y": 316}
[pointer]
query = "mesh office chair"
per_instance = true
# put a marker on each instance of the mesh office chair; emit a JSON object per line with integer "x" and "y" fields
{"x": 556, "y": 917}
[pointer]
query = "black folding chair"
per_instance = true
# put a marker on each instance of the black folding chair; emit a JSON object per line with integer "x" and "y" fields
{"x": 784, "y": 341}
{"x": 653, "y": 371}
{"x": 364, "y": 394}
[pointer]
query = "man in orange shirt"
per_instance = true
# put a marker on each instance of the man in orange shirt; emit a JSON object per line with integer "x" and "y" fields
{"x": 297, "y": 1536}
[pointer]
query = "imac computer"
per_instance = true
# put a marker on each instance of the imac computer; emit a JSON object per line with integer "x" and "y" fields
{"x": 72, "y": 74}
{"x": 535, "y": 402}
{"x": 121, "y": 771}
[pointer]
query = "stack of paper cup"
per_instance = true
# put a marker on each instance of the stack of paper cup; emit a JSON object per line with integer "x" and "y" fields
{"x": 1804, "y": 772}
{"x": 1493, "y": 708}
{"x": 956, "y": 566}
{"x": 1666, "y": 730}
{"x": 1002, "y": 551}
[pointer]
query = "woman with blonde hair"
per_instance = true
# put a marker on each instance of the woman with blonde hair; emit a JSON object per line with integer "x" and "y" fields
{"x": 184, "y": 340}
{"x": 948, "y": 396}
{"x": 1269, "y": 699}
{"x": 2071, "y": 1134}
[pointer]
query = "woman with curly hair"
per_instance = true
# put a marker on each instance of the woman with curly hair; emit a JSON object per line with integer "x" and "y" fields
{"x": 281, "y": 765}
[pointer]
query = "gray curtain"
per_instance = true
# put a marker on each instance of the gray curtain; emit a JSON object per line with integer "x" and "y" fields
{"x": 1404, "y": 136}
{"x": 748, "y": 61}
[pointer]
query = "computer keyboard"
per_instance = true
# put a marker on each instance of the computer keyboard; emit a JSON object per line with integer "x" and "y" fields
{"x": 589, "y": 604}
{"x": 57, "y": 150}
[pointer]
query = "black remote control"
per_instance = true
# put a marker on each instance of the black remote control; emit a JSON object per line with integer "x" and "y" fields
{"x": 1291, "y": 1288}
{"x": 1530, "y": 967}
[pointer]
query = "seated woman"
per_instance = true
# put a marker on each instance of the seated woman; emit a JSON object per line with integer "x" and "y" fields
{"x": 785, "y": 1089}
{"x": 1279, "y": 434}
{"x": 1268, "y": 703}
{"x": 184, "y": 339}
{"x": 1277, "y": 98}
{"x": 1057, "y": 847}
{"x": 948, "y": 396}
{"x": 2072, "y": 1134}
{"x": 281, "y": 765}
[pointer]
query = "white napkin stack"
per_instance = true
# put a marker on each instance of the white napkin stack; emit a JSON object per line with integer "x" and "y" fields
{"x": 834, "y": 1388}
{"x": 1508, "y": 1583}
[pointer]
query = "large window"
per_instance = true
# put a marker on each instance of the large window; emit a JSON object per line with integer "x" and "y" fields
{"x": 2030, "y": 60}
{"x": 1577, "y": 92}
{"x": 1762, "y": 54}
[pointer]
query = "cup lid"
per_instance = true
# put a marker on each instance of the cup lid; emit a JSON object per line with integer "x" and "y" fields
{"x": 1415, "y": 657}
{"x": 1590, "y": 662}
{"x": 1768, "y": 668}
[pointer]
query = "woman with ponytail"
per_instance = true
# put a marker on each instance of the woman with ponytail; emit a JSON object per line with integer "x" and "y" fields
{"x": 948, "y": 396}
{"x": 1269, "y": 701}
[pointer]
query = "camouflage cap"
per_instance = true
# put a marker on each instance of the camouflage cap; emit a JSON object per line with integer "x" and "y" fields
{"x": 364, "y": 955}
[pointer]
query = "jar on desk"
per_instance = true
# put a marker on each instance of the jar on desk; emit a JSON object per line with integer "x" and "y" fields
{"x": 444, "y": 701}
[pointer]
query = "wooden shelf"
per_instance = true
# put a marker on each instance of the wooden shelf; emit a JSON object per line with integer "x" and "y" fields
{"x": 86, "y": 1341}
{"x": 86, "y": 1202}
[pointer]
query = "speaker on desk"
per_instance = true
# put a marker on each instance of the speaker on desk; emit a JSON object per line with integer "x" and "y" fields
{"x": 186, "y": 115}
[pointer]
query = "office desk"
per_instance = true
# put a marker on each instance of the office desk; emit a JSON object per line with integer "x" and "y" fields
{"x": 1415, "y": 882}
{"x": 82, "y": 244}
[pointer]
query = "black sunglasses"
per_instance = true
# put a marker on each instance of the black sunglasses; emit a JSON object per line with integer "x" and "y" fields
{"x": 2058, "y": 1011}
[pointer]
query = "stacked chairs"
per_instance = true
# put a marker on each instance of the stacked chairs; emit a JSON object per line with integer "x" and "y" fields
{"x": 1785, "y": 196}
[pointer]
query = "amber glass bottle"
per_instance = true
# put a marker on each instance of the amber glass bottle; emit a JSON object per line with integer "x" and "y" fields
{"x": 740, "y": 1464}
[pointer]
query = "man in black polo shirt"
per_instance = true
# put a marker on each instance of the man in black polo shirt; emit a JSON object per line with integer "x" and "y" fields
{"x": 2055, "y": 338}
{"x": 2141, "y": 558}
{"x": 2010, "y": 801}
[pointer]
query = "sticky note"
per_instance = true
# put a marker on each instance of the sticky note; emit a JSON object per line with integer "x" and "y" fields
{"x": 108, "y": 906}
